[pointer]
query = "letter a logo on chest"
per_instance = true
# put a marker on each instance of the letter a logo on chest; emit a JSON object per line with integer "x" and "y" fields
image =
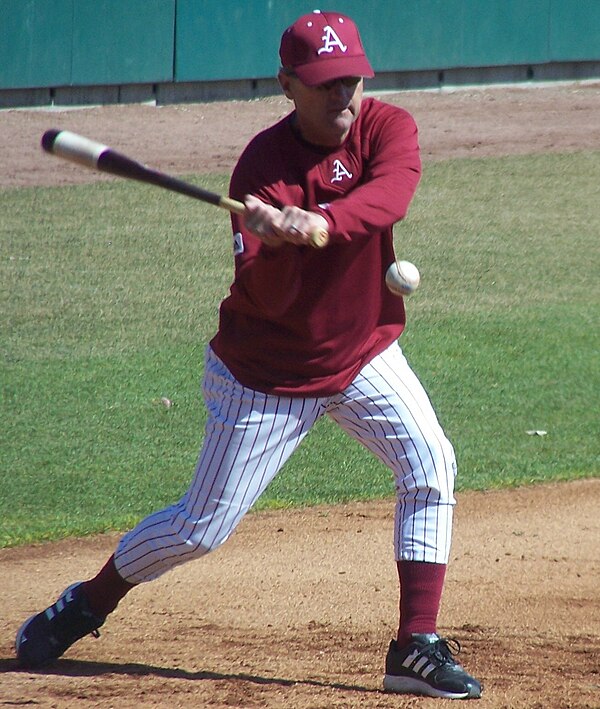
{"x": 330, "y": 41}
{"x": 340, "y": 171}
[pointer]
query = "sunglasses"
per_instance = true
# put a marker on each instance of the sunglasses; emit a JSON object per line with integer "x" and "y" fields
{"x": 349, "y": 82}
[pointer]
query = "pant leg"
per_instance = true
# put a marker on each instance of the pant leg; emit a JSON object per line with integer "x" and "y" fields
{"x": 249, "y": 436}
{"x": 387, "y": 410}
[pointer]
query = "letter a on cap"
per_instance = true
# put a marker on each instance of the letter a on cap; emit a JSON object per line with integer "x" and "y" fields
{"x": 331, "y": 40}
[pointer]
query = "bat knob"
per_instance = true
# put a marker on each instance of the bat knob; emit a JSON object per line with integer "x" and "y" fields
{"x": 48, "y": 139}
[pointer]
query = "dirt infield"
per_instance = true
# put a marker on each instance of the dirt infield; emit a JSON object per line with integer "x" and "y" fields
{"x": 196, "y": 138}
{"x": 297, "y": 609}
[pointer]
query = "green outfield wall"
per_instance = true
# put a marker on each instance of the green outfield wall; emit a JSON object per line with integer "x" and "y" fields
{"x": 76, "y": 42}
{"x": 48, "y": 45}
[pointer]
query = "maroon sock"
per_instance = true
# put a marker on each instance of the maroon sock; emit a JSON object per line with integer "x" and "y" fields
{"x": 421, "y": 586}
{"x": 106, "y": 589}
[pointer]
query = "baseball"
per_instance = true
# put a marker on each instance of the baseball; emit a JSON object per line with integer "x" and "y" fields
{"x": 402, "y": 278}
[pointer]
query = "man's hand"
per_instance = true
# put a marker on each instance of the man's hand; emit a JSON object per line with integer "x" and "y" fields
{"x": 274, "y": 226}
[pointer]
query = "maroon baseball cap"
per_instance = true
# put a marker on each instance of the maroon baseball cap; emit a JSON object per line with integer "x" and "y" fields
{"x": 322, "y": 46}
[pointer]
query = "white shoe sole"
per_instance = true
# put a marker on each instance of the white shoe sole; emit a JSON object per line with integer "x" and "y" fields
{"x": 410, "y": 685}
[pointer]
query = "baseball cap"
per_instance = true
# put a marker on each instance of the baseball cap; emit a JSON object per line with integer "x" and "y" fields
{"x": 322, "y": 46}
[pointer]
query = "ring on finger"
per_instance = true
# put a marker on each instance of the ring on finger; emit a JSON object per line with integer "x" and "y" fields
{"x": 294, "y": 228}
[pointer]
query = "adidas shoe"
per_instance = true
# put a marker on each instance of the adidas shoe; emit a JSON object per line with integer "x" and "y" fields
{"x": 427, "y": 666}
{"x": 45, "y": 636}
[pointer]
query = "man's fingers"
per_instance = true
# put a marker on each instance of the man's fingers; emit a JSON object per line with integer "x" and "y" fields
{"x": 291, "y": 224}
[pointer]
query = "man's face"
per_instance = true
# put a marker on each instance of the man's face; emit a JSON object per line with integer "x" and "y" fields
{"x": 325, "y": 112}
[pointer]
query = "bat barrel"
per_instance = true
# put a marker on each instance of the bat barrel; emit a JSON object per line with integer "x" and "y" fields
{"x": 73, "y": 147}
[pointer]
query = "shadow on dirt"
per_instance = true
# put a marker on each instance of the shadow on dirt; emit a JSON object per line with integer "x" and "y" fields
{"x": 72, "y": 668}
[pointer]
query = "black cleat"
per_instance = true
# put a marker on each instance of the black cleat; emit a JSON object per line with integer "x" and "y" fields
{"x": 427, "y": 666}
{"x": 47, "y": 635}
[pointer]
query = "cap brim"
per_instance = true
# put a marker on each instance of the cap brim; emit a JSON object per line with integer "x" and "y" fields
{"x": 325, "y": 70}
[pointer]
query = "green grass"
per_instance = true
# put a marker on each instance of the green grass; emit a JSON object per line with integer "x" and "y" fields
{"x": 109, "y": 293}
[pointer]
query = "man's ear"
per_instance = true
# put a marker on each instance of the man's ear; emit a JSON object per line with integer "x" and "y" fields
{"x": 285, "y": 83}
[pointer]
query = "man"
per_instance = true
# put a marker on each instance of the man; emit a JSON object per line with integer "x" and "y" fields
{"x": 307, "y": 332}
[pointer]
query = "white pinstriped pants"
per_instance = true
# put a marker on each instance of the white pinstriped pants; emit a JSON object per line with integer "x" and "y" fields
{"x": 250, "y": 435}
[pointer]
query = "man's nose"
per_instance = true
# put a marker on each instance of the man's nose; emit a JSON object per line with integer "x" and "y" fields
{"x": 340, "y": 89}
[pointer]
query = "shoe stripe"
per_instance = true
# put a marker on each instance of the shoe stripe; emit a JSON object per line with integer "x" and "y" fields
{"x": 428, "y": 670}
{"x": 409, "y": 659}
{"x": 60, "y": 605}
{"x": 418, "y": 664}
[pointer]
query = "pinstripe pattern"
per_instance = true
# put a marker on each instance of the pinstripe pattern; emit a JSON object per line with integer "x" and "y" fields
{"x": 249, "y": 436}
{"x": 387, "y": 410}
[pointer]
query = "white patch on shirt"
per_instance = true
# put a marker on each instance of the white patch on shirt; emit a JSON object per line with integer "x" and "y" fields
{"x": 238, "y": 243}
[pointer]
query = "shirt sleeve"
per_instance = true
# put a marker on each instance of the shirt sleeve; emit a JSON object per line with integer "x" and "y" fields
{"x": 388, "y": 184}
{"x": 268, "y": 278}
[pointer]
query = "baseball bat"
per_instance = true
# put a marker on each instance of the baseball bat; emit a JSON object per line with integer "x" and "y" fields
{"x": 76, "y": 148}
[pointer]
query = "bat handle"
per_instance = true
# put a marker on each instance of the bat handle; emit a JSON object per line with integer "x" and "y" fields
{"x": 318, "y": 237}
{"x": 232, "y": 205}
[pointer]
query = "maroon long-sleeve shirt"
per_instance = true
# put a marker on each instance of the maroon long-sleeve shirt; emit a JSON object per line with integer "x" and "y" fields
{"x": 301, "y": 321}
